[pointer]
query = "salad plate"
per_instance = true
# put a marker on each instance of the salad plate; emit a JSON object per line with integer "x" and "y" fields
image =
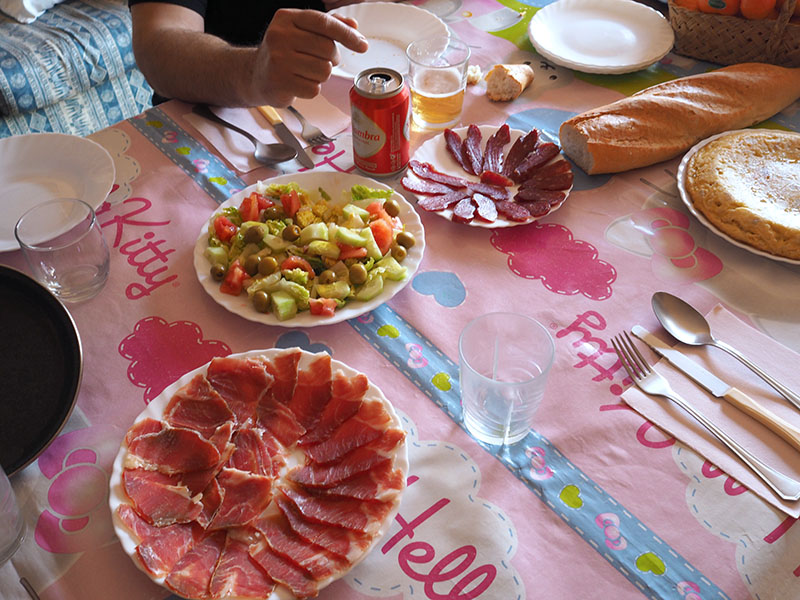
{"x": 42, "y": 166}
{"x": 37, "y": 400}
{"x": 334, "y": 183}
{"x": 601, "y": 36}
{"x": 288, "y": 458}
{"x": 389, "y": 29}
{"x": 434, "y": 151}
{"x": 687, "y": 201}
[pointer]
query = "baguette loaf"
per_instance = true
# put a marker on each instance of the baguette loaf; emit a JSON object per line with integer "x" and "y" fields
{"x": 665, "y": 120}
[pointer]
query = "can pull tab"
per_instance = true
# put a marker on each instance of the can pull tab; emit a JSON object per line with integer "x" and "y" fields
{"x": 378, "y": 83}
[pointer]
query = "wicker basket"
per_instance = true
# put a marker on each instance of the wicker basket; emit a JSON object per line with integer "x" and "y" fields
{"x": 729, "y": 40}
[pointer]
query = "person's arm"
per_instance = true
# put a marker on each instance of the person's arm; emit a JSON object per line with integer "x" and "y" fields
{"x": 295, "y": 57}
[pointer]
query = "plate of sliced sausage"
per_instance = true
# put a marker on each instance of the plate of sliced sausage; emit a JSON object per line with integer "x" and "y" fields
{"x": 265, "y": 474}
{"x": 488, "y": 176}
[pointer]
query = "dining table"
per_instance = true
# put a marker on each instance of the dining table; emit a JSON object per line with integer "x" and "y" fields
{"x": 601, "y": 498}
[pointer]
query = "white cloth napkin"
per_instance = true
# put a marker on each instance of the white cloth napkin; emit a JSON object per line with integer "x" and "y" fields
{"x": 774, "y": 358}
{"x": 238, "y": 150}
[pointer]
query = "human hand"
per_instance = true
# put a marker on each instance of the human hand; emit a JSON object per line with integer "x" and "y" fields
{"x": 298, "y": 53}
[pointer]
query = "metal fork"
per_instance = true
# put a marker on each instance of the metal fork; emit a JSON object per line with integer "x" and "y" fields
{"x": 654, "y": 384}
{"x": 311, "y": 133}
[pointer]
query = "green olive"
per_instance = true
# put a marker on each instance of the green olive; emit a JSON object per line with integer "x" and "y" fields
{"x": 291, "y": 233}
{"x": 251, "y": 264}
{"x": 267, "y": 266}
{"x": 327, "y": 276}
{"x": 399, "y": 253}
{"x": 261, "y": 301}
{"x": 358, "y": 274}
{"x": 406, "y": 239}
{"x": 253, "y": 235}
{"x": 272, "y": 213}
{"x": 218, "y": 272}
{"x": 391, "y": 207}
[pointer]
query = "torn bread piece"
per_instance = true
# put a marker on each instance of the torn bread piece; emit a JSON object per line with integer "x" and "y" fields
{"x": 507, "y": 82}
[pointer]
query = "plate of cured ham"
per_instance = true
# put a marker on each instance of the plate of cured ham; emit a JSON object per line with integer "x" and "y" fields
{"x": 267, "y": 474}
{"x": 488, "y": 176}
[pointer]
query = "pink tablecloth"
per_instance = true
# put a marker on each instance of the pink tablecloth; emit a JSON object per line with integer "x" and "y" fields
{"x": 595, "y": 503}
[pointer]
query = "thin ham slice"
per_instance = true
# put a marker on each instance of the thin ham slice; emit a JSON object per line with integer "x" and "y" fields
{"x": 455, "y": 147}
{"x": 283, "y": 571}
{"x": 212, "y": 500}
{"x": 552, "y": 197}
{"x": 342, "y": 542}
{"x": 251, "y": 452}
{"x": 241, "y": 382}
{"x": 486, "y": 208}
{"x": 159, "y": 548}
{"x": 537, "y": 208}
{"x": 191, "y": 575}
{"x": 143, "y": 427}
{"x": 312, "y": 392}
{"x": 383, "y": 482}
{"x": 244, "y": 497}
{"x": 283, "y": 369}
{"x": 161, "y": 499}
{"x": 428, "y": 171}
{"x": 442, "y": 201}
{"x": 198, "y": 406}
{"x": 357, "y": 461}
{"x": 496, "y": 192}
{"x": 238, "y": 575}
{"x": 542, "y": 154}
{"x": 513, "y": 211}
{"x": 283, "y": 540}
{"x": 347, "y": 394}
{"x": 360, "y": 429}
{"x": 172, "y": 450}
{"x": 365, "y": 516}
{"x": 197, "y": 481}
{"x": 278, "y": 419}
{"x": 464, "y": 211}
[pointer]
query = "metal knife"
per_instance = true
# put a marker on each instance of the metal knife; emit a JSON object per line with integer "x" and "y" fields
{"x": 286, "y": 136}
{"x": 719, "y": 388}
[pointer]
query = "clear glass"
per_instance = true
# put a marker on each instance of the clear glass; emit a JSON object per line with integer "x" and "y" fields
{"x": 12, "y": 526}
{"x": 64, "y": 248}
{"x": 504, "y": 362}
{"x": 437, "y": 77}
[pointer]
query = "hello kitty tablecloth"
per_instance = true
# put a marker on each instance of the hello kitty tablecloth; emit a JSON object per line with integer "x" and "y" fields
{"x": 595, "y": 503}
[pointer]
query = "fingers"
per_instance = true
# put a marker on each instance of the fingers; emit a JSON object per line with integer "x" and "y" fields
{"x": 339, "y": 29}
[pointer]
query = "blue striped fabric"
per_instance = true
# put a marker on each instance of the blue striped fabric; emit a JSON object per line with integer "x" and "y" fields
{"x": 72, "y": 70}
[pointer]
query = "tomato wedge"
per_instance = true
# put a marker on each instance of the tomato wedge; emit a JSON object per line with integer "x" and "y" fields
{"x": 291, "y": 203}
{"x": 249, "y": 209}
{"x": 382, "y": 232}
{"x": 296, "y": 262}
{"x": 325, "y": 307}
{"x": 378, "y": 212}
{"x": 234, "y": 280}
{"x": 348, "y": 251}
{"x": 224, "y": 228}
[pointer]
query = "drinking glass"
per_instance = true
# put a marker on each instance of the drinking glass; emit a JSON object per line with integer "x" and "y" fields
{"x": 12, "y": 527}
{"x": 64, "y": 247}
{"x": 437, "y": 78}
{"x": 504, "y": 362}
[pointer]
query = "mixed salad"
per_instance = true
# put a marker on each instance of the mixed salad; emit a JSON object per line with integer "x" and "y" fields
{"x": 293, "y": 250}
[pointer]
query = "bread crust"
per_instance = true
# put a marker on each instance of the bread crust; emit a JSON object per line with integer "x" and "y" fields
{"x": 665, "y": 120}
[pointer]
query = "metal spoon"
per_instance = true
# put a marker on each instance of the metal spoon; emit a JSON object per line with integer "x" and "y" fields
{"x": 267, "y": 154}
{"x": 687, "y": 325}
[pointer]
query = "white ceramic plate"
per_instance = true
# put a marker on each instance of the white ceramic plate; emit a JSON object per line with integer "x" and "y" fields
{"x": 434, "y": 151}
{"x": 333, "y": 182}
{"x": 41, "y": 166}
{"x": 155, "y": 410}
{"x": 601, "y": 36}
{"x": 389, "y": 29}
{"x": 687, "y": 200}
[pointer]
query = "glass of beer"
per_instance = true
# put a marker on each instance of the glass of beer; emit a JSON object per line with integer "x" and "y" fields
{"x": 437, "y": 77}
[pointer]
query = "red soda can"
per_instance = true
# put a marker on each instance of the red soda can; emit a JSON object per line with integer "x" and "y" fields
{"x": 380, "y": 108}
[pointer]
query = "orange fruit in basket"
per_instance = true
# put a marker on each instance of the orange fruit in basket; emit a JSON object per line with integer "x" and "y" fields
{"x": 756, "y": 9}
{"x": 719, "y": 7}
{"x": 689, "y": 4}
